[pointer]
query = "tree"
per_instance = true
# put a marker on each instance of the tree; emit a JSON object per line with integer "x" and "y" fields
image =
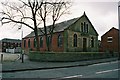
{"x": 23, "y": 13}
{"x": 32, "y": 13}
{"x": 60, "y": 8}
{"x": 54, "y": 9}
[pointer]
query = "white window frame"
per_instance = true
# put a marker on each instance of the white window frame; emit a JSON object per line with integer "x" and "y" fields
{"x": 110, "y": 41}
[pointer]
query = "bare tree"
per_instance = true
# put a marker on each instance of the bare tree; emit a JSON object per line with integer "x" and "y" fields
{"x": 59, "y": 8}
{"x": 54, "y": 9}
{"x": 32, "y": 13}
{"x": 43, "y": 12}
{"x": 23, "y": 13}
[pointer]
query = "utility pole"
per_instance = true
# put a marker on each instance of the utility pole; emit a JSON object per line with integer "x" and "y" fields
{"x": 22, "y": 52}
{"x": 119, "y": 28}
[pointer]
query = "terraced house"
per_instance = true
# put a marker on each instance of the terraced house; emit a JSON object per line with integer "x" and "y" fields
{"x": 75, "y": 35}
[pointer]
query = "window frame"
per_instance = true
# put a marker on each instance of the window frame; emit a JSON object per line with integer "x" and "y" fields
{"x": 29, "y": 44}
{"x": 49, "y": 40}
{"x": 41, "y": 42}
{"x": 87, "y": 29}
{"x": 82, "y": 27}
{"x": 75, "y": 40}
{"x": 109, "y": 39}
{"x": 92, "y": 42}
{"x": 60, "y": 40}
{"x": 24, "y": 43}
{"x": 35, "y": 44}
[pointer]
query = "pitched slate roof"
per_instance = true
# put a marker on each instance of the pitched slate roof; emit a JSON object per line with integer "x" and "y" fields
{"x": 62, "y": 26}
{"x": 59, "y": 26}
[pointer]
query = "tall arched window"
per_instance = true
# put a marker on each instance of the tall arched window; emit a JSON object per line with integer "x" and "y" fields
{"x": 87, "y": 28}
{"x": 60, "y": 40}
{"x": 29, "y": 43}
{"x": 41, "y": 41}
{"x": 82, "y": 27}
{"x": 84, "y": 30}
{"x": 35, "y": 43}
{"x": 49, "y": 40}
{"x": 75, "y": 40}
{"x": 24, "y": 43}
{"x": 92, "y": 42}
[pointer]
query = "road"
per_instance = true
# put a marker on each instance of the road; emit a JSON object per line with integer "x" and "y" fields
{"x": 101, "y": 70}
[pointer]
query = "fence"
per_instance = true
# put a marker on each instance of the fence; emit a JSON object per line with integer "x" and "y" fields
{"x": 17, "y": 50}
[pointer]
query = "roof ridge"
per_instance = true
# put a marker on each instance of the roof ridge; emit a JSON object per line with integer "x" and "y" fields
{"x": 61, "y": 26}
{"x": 110, "y": 30}
{"x": 62, "y": 22}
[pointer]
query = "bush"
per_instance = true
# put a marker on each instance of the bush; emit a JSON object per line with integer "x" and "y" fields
{"x": 67, "y": 56}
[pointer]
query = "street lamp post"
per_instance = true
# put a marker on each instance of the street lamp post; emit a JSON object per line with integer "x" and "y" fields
{"x": 22, "y": 52}
{"x": 119, "y": 27}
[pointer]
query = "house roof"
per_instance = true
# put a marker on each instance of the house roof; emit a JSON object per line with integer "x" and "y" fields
{"x": 109, "y": 31}
{"x": 10, "y": 40}
{"x": 59, "y": 27}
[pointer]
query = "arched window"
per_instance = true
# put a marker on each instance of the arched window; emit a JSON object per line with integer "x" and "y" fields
{"x": 29, "y": 43}
{"x": 92, "y": 42}
{"x": 60, "y": 40}
{"x": 41, "y": 41}
{"x": 35, "y": 43}
{"x": 87, "y": 28}
{"x": 49, "y": 40}
{"x": 82, "y": 27}
{"x": 24, "y": 43}
{"x": 75, "y": 40}
{"x": 84, "y": 30}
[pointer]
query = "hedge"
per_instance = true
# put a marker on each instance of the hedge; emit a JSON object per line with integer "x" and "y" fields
{"x": 68, "y": 56}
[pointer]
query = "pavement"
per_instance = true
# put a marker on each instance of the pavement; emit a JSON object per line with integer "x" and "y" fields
{"x": 30, "y": 65}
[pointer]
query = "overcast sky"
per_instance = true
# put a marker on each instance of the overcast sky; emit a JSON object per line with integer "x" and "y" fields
{"x": 102, "y": 14}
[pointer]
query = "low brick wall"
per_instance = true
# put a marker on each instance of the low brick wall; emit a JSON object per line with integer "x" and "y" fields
{"x": 68, "y": 56}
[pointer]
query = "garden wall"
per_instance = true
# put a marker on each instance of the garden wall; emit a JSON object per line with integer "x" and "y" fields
{"x": 69, "y": 56}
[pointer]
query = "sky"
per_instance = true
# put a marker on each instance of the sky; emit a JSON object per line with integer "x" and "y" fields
{"x": 102, "y": 14}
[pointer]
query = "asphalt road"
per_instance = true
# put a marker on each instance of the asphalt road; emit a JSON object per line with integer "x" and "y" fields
{"x": 101, "y": 70}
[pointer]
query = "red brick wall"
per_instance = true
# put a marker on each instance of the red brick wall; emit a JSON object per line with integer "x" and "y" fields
{"x": 110, "y": 46}
{"x": 54, "y": 44}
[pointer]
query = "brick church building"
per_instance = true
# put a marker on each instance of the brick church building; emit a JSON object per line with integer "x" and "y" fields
{"x": 74, "y": 35}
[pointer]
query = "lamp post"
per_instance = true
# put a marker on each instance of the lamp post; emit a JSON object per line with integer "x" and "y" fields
{"x": 119, "y": 27}
{"x": 22, "y": 51}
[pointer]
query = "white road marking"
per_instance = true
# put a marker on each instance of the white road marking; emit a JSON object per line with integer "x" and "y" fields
{"x": 67, "y": 77}
{"x": 72, "y": 76}
{"x": 100, "y": 72}
{"x": 100, "y": 64}
{"x": 104, "y": 63}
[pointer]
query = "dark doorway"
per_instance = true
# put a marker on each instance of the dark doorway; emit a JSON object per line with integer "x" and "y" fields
{"x": 84, "y": 44}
